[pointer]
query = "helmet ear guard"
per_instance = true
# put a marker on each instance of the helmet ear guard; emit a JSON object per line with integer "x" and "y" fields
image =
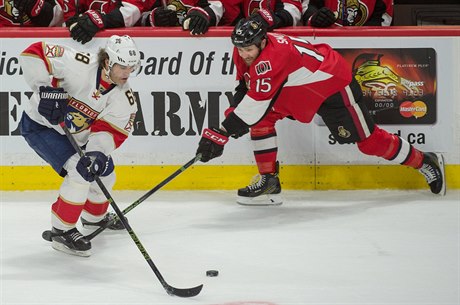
{"x": 123, "y": 51}
{"x": 248, "y": 32}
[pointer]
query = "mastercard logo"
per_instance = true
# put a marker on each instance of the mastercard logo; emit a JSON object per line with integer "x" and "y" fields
{"x": 415, "y": 109}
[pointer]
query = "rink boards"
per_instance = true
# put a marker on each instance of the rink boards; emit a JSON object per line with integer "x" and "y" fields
{"x": 185, "y": 85}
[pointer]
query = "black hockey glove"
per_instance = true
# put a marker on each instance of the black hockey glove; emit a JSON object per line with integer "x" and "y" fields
{"x": 94, "y": 163}
{"x": 323, "y": 18}
{"x": 53, "y": 103}
{"x": 161, "y": 16}
{"x": 211, "y": 144}
{"x": 197, "y": 21}
{"x": 31, "y": 8}
{"x": 241, "y": 132}
{"x": 86, "y": 26}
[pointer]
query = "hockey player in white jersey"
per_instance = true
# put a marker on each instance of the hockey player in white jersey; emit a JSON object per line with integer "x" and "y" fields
{"x": 90, "y": 94}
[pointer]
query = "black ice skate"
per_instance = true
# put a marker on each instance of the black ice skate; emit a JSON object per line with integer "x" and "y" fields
{"x": 117, "y": 225}
{"x": 263, "y": 190}
{"x": 433, "y": 170}
{"x": 71, "y": 242}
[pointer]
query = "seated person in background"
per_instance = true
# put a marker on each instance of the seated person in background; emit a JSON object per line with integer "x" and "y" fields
{"x": 195, "y": 16}
{"x": 276, "y": 13}
{"x": 92, "y": 16}
{"x": 30, "y": 13}
{"x": 325, "y": 13}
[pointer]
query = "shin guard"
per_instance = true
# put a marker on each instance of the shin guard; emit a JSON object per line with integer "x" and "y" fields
{"x": 391, "y": 147}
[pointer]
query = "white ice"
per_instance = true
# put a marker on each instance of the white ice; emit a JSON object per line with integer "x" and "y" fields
{"x": 318, "y": 248}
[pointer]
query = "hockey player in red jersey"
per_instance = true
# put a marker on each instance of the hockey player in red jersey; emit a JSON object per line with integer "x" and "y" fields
{"x": 92, "y": 16}
{"x": 283, "y": 13}
{"x": 195, "y": 16}
{"x": 281, "y": 76}
{"x": 325, "y": 13}
{"x": 28, "y": 13}
{"x": 89, "y": 93}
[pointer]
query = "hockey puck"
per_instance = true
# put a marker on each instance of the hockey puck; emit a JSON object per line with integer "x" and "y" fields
{"x": 212, "y": 273}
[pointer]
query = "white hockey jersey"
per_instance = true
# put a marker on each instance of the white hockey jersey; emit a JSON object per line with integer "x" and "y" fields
{"x": 100, "y": 120}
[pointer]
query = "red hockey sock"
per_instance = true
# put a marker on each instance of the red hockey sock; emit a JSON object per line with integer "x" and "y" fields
{"x": 67, "y": 212}
{"x": 391, "y": 147}
{"x": 96, "y": 208}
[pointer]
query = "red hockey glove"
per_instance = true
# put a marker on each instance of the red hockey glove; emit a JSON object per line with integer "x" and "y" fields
{"x": 212, "y": 144}
{"x": 161, "y": 16}
{"x": 86, "y": 26}
{"x": 265, "y": 17}
{"x": 197, "y": 21}
{"x": 323, "y": 18}
{"x": 31, "y": 8}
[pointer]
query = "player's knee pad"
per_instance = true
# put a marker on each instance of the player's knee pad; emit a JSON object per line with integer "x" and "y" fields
{"x": 108, "y": 180}
{"x": 95, "y": 194}
{"x": 74, "y": 188}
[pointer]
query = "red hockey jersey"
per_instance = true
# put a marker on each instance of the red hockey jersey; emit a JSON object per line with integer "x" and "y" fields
{"x": 357, "y": 12}
{"x": 130, "y": 9}
{"x": 235, "y": 9}
{"x": 290, "y": 76}
{"x": 10, "y": 17}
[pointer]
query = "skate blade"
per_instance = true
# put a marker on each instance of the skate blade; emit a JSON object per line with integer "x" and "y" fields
{"x": 61, "y": 247}
{"x": 263, "y": 200}
{"x": 441, "y": 165}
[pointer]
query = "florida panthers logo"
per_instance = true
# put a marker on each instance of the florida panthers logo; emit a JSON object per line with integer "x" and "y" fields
{"x": 79, "y": 116}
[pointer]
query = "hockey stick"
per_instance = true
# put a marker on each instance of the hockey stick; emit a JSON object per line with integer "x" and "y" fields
{"x": 180, "y": 292}
{"x": 48, "y": 235}
{"x": 146, "y": 195}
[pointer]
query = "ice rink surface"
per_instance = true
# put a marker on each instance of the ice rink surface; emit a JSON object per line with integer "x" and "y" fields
{"x": 318, "y": 248}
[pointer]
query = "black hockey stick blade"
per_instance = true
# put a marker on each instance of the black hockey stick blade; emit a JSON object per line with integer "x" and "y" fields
{"x": 183, "y": 292}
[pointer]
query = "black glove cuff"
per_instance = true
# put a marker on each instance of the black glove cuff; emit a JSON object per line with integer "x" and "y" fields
{"x": 233, "y": 124}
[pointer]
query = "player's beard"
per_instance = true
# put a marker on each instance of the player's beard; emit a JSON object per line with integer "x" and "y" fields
{"x": 249, "y": 61}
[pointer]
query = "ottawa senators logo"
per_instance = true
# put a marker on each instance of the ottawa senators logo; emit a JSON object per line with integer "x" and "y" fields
{"x": 10, "y": 15}
{"x": 343, "y": 132}
{"x": 180, "y": 8}
{"x": 352, "y": 12}
{"x": 263, "y": 67}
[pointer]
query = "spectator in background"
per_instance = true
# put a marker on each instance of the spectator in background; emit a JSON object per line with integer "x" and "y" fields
{"x": 92, "y": 16}
{"x": 325, "y": 13}
{"x": 30, "y": 13}
{"x": 195, "y": 16}
{"x": 283, "y": 13}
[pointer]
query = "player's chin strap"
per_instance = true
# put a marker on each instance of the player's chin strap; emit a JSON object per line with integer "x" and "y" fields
{"x": 107, "y": 74}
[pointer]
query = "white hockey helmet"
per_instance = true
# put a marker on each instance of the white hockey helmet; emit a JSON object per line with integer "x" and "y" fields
{"x": 123, "y": 51}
